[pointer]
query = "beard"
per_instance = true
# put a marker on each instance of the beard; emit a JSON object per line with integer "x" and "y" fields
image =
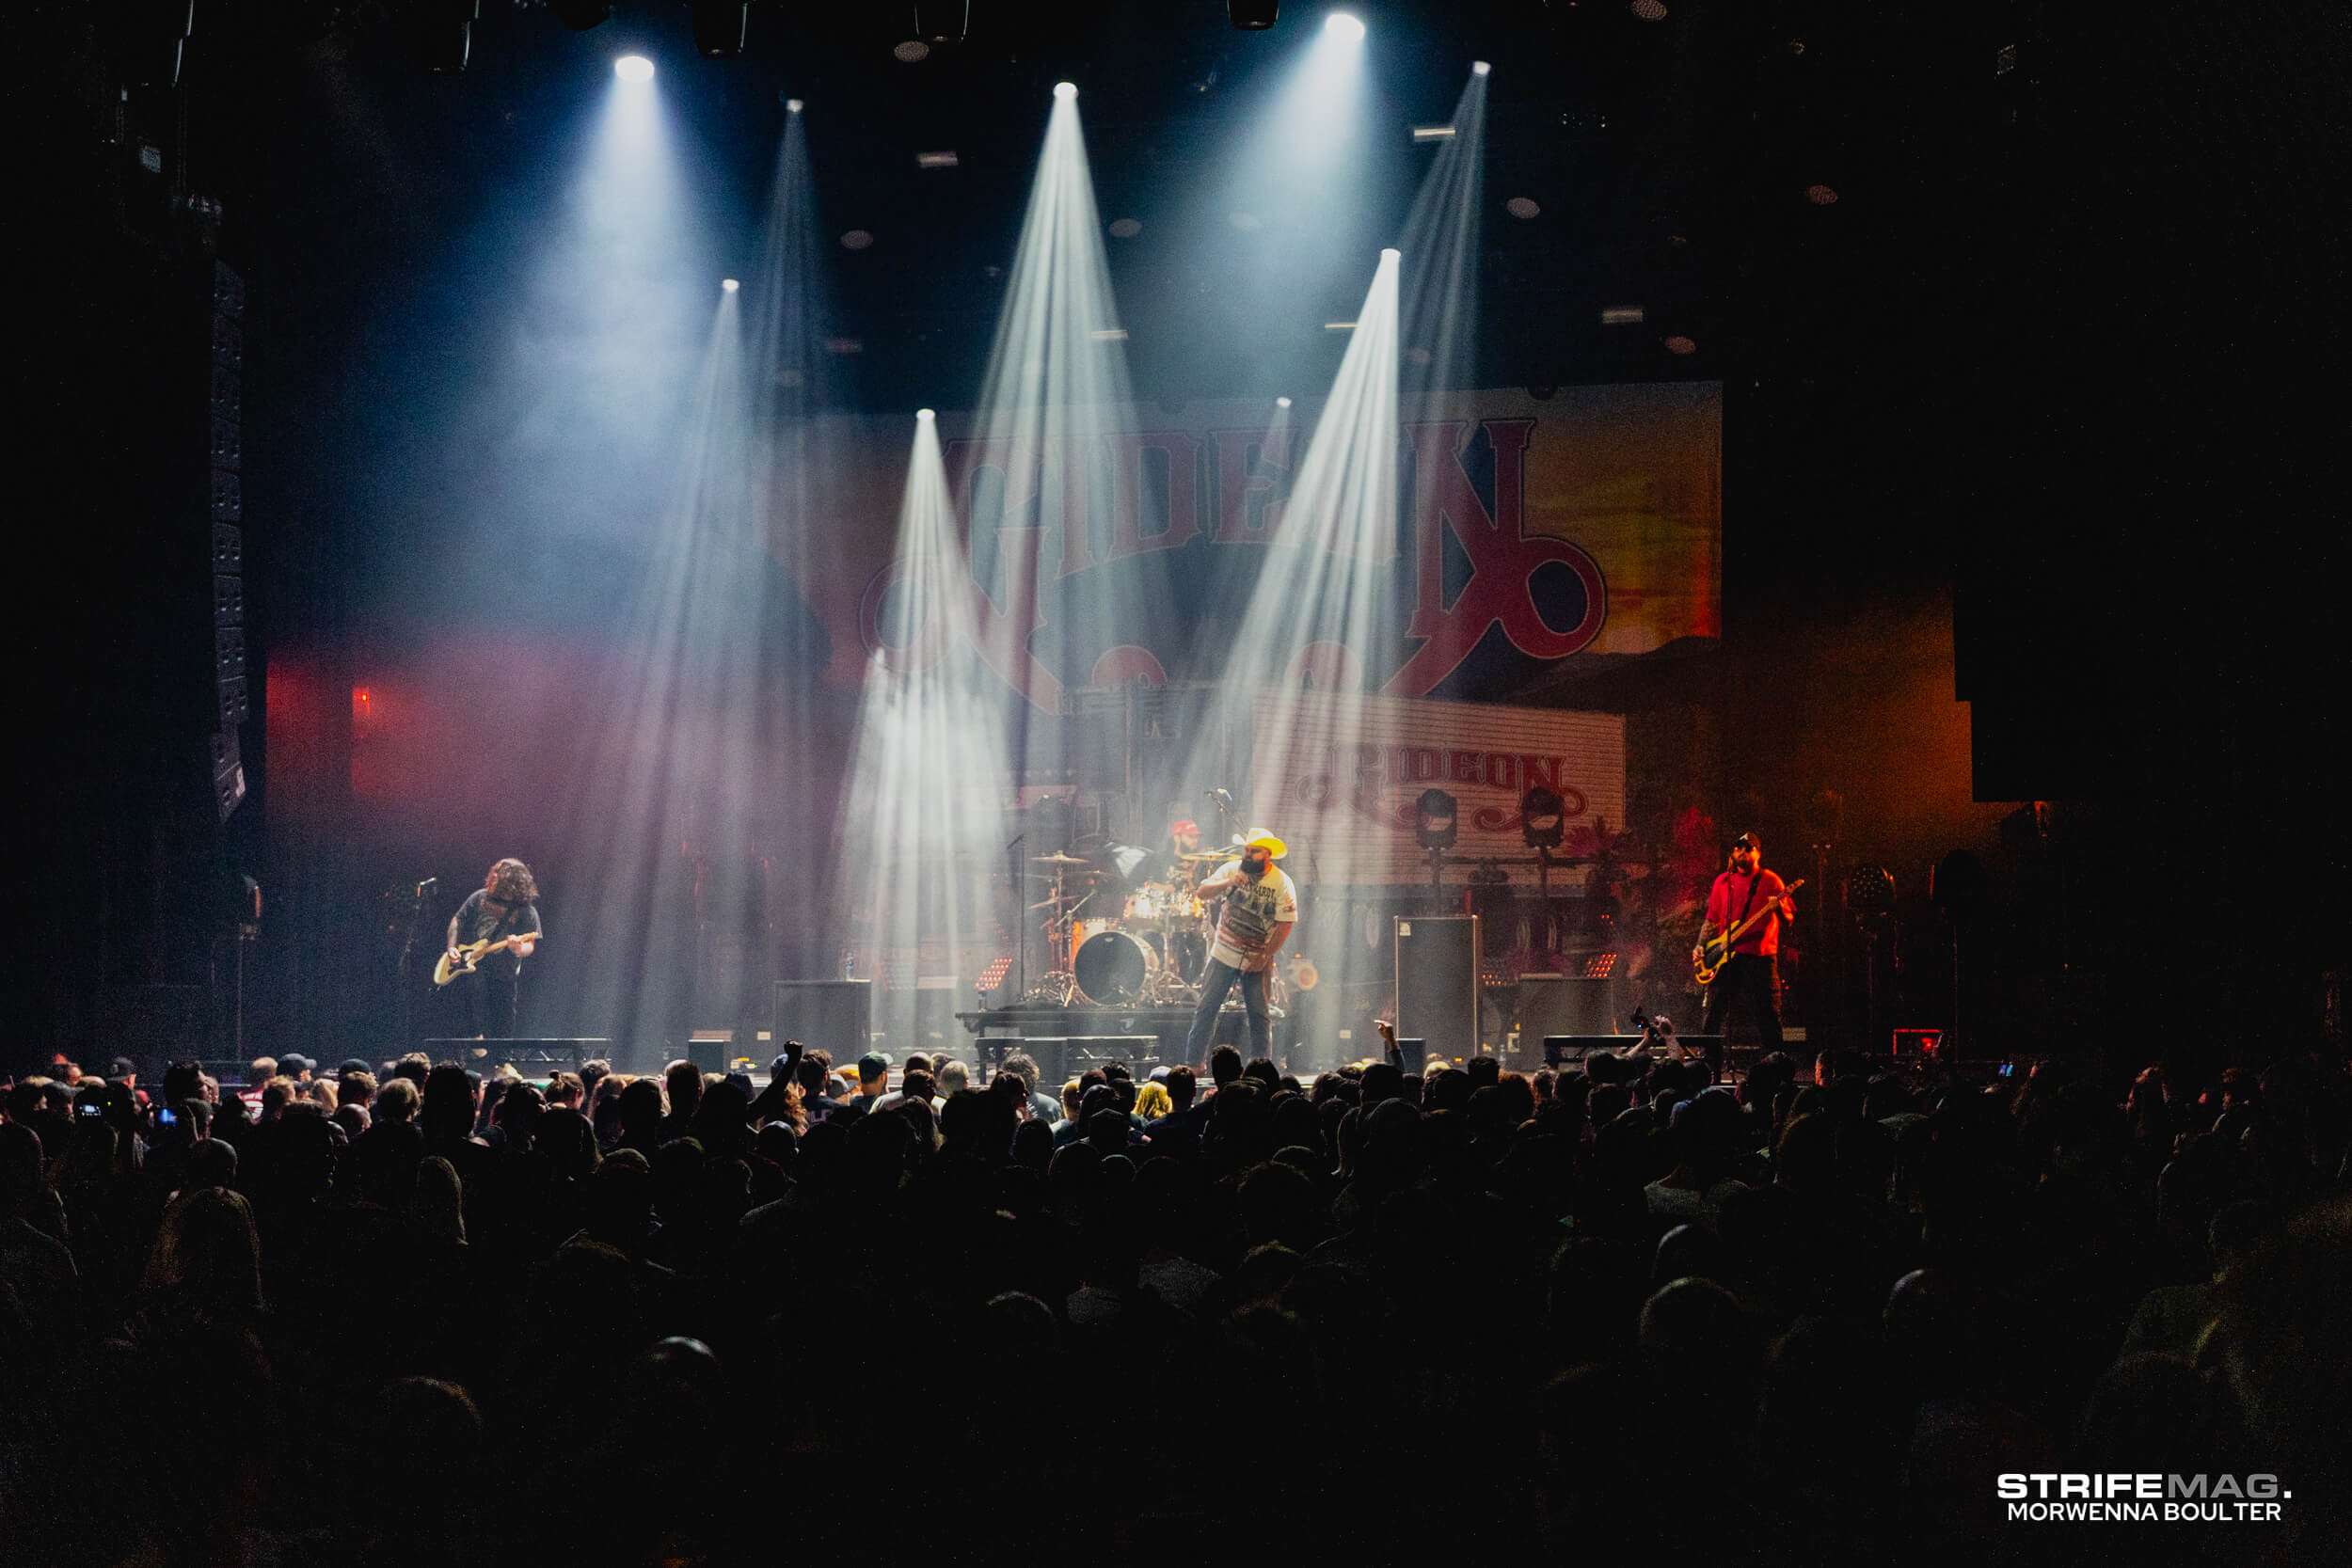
{"x": 1253, "y": 866}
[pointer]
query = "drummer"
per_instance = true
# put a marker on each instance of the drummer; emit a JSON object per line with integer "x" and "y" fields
{"x": 1169, "y": 866}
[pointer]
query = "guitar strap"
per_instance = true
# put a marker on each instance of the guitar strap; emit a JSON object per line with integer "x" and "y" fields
{"x": 1754, "y": 882}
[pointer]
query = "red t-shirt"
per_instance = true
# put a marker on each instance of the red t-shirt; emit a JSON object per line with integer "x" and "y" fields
{"x": 1728, "y": 905}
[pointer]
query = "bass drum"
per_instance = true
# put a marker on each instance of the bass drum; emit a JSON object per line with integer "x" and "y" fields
{"x": 1113, "y": 967}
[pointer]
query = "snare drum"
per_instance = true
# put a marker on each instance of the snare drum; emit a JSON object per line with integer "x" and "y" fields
{"x": 1113, "y": 968}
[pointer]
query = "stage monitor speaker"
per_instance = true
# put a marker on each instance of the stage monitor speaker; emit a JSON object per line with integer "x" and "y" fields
{"x": 1571, "y": 1049}
{"x": 1139, "y": 1052}
{"x": 1437, "y": 981}
{"x": 486, "y": 1055}
{"x": 1050, "y": 1053}
{"x": 830, "y": 1015}
{"x": 1566, "y": 1005}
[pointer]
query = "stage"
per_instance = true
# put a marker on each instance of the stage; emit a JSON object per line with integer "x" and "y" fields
{"x": 1057, "y": 1037}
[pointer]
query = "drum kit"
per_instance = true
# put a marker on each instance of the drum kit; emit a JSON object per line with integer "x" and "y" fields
{"x": 1118, "y": 945}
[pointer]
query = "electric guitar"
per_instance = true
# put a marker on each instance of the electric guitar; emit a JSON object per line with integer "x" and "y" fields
{"x": 1713, "y": 951}
{"x": 465, "y": 960}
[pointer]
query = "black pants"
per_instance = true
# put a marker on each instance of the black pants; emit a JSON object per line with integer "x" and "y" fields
{"x": 1754, "y": 981}
{"x": 483, "y": 1002}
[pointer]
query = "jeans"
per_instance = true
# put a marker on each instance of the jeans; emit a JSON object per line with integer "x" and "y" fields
{"x": 1217, "y": 983}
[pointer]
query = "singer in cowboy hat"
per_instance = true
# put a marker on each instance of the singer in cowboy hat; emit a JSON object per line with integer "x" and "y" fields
{"x": 1261, "y": 907}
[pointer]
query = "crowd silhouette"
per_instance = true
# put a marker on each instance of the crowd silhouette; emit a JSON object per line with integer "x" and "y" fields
{"x": 401, "y": 1314}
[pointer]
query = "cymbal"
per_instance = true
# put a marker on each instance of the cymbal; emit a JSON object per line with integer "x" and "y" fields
{"x": 1059, "y": 860}
{"x": 1198, "y": 855}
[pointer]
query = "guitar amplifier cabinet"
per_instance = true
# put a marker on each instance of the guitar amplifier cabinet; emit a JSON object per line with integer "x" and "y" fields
{"x": 835, "y": 1015}
{"x": 1437, "y": 981}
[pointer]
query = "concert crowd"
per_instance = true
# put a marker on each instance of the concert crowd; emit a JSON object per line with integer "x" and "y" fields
{"x": 398, "y": 1313}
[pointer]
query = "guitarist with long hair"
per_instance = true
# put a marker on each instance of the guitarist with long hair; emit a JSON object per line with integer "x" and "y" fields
{"x": 1749, "y": 904}
{"x": 489, "y": 936}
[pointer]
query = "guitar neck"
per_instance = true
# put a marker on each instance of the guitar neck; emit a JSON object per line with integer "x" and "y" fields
{"x": 1743, "y": 928}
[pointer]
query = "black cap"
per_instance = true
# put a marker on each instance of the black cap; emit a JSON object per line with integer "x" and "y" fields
{"x": 1747, "y": 841}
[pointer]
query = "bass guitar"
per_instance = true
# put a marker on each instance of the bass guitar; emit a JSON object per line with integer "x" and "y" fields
{"x": 466, "y": 959}
{"x": 1713, "y": 951}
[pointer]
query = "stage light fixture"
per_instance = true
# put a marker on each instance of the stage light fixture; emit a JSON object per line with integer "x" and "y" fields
{"x": 1543, "y": 817}
{"x": 633, "y": 68}
{"x": 925, "y": 415}
{"x": 1680, "y": 344}
{"x": 912, "y": 51}
{"x": 720, "y": 27}
{"x": 445, "y": 34}
{"x": 1433, "y": 132}
{"x": 1254, "y": 16}
{"x": 942, "y": 159}
{"x": 1125, "y": 229}
{"x": 729, "y": 284}
{"x": 1392, "y": 254}
{"x": 1108, "y": 334}
{"x": 1343, "y": 25}
{"x": 1649, "y": 10}
{"x": 580, "y": 15}
{"x": 1821, "y": 195}
{"x": 1434, "y": 820}
{"x": 1522, "y": 207}
{"x": 857, "y": 239}
{"x": 1622, "y": 315}
{"x": 1480, "y": 67}
{"x": 1281, "y": 403}
{"x": 792, "y": 105}
{"x": 1065, "y": 90}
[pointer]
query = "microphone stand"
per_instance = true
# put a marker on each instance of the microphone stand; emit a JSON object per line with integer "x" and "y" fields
{"x": 1021, "y": 914}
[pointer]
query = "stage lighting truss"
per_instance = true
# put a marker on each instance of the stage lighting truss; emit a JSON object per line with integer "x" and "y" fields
{"x": 1435, "y": 824}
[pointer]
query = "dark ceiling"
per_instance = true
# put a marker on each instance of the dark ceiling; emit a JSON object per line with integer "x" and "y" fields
{"x": 2080, "y": 293}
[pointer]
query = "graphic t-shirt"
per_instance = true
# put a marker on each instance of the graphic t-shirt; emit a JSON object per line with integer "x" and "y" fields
{"x": 1727, "y": 904}
{"x": 1253, "y": 909}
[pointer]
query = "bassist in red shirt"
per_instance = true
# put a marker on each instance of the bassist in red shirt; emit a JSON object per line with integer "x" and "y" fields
{"x": 1750, "y": 974}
